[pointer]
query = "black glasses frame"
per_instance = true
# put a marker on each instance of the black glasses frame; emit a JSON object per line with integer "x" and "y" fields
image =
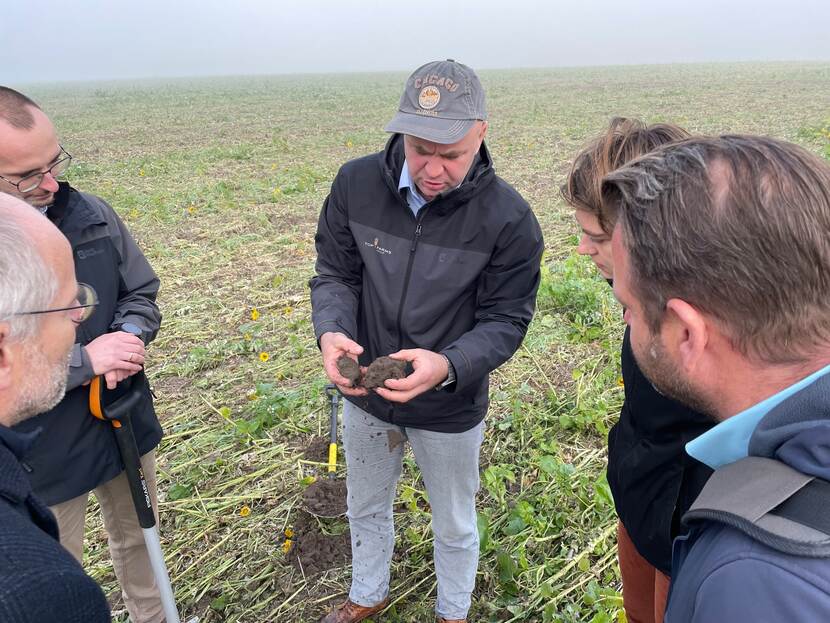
{"x": 85, "y": 292}
{"x": 39, "y": 176}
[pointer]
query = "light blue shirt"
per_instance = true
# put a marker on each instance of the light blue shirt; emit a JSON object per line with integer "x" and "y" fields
{"x": 729, "y": 441}
{"x": 413, "y": 197}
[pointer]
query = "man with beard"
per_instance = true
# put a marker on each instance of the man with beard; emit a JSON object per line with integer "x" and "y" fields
{"x": 722, "y": 260}
{"x": 41, "y": 306}
{"x": 75, "y": 453}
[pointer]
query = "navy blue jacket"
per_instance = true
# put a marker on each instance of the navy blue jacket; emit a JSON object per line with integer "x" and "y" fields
{"x": 40, "y": 582}
{"x": 721, "y": 574}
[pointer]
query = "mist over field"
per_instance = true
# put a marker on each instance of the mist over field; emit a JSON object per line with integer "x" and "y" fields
{"x": 47, "y": 40}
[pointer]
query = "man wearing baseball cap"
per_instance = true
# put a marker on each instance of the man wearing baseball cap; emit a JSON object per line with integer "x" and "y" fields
{"x": 425, "y": 255}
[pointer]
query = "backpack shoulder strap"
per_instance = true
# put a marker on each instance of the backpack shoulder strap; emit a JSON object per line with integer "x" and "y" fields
{"x": 771, "y": 503}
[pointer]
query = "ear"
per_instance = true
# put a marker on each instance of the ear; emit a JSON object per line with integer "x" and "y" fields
{"x": 685, "y": 332}
{"x": 6, "y": 357}
{"x": 483, "y": 132}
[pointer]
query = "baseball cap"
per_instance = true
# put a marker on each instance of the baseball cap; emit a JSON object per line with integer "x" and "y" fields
{"x": 440, "y": 103}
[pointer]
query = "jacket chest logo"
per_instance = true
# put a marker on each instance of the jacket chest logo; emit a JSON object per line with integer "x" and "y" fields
{"x": 84, "y": 254}
{"x": 376, "y": 246}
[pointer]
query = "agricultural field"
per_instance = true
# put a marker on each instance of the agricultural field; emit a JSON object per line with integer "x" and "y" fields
{"x": 221, "y": 181}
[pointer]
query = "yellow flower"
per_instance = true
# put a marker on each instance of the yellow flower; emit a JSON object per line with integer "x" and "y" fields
{"x": 287, "y": 310}
{"x": 141, "y": 172}
{"x": 191, "y": 210}
{"x": 349, "y": 144}
{"x": 286, "y": 547}
{"x": 134, "y": 213}
{"x": 245, "y": 511}
{"x": 274, "y": 167}
{"x": 620, "y": 382}
{"x": 254, "y": 314}
{"x": 247, "y": 337}
{"x": 289, "y": 533}
{"x": 263, "y": 357}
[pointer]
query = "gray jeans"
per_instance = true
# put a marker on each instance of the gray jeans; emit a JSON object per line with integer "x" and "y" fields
{"x": 449, "y": 466}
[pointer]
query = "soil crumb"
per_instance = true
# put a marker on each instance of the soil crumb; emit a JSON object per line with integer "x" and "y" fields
{"x": 381, "y": 369}
{"x": 325, "y": 497}
{"x": 317, "y": 450}
{"x": 350, "y": 369}
{"x": 315, "y": 551}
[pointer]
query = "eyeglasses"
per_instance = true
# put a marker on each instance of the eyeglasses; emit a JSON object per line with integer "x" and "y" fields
{"x": 33, "y": 180}
{"x": 87, "y": 300}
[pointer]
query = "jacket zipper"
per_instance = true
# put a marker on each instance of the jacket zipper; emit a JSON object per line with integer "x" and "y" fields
{"x": 412, "y": 248}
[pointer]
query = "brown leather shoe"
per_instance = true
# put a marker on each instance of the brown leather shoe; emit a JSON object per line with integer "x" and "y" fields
{"x": 443, "y": 620}
{"x": 350, "y": 612}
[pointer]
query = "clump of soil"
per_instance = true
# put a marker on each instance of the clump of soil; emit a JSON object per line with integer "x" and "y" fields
{"x": 350, "y": 369}
{"x": 325, "y": 497}
{"x": 317, "y": 450}
{"x": 381, "y": 369}
{"x": 314, "y": 551}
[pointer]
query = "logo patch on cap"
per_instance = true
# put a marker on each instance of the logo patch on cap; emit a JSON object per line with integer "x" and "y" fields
{"x": 429, "y": 97}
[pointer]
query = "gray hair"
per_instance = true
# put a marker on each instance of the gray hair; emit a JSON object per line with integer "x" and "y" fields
{"x": 26, "y": 282}
{"x": 739, "y": 227}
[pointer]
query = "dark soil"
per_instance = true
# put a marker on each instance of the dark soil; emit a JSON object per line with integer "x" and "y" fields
{"x": 325, "y": 497}
{"x": 381, "y": 369}
{"x": 317, "y": 450}
{"x": 350, "y": 369}
{"x": 315, "y": 551}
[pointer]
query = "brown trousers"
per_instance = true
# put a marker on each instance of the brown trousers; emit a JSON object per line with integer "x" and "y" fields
{"x": 126, "y": 540}
{"x": 645, "y": 589}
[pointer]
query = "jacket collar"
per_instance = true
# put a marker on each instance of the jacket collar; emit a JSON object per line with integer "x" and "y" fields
{"x": 71, "y": 211}
{"x": 480, "y": 175}
{"x": 761, "y": 429}
{"x": 13, "y": 445}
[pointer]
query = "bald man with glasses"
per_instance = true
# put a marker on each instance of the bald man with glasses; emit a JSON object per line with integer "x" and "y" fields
{"x": 75, "y": 454}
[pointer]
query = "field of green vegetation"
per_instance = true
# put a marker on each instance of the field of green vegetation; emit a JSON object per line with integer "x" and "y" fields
{"x": 221, "y": 182}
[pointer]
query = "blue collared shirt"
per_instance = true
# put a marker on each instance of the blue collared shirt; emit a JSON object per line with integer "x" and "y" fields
{"x": 729, "y": 441}
{"x": 413, "y": 197}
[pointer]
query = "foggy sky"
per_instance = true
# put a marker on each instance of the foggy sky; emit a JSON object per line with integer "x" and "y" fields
{"x": 48, "y": 40}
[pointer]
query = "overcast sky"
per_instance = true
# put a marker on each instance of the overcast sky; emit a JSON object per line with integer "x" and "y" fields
{"x": 47, "y": 40}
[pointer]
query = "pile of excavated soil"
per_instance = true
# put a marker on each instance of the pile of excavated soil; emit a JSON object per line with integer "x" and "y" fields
{"x": 314, "y": 551}
{"x": 325, "y": 497}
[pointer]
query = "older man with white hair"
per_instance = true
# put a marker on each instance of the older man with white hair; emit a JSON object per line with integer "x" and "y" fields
{"x": 41, "y": 306}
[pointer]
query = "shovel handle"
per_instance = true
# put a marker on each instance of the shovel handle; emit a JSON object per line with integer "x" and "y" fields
{"x": 135, "y": 474}
{"x": 334, "y": 395}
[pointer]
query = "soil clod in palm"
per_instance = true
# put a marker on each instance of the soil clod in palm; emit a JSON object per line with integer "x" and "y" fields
{"x": 381, "y": 369}
{"x": 350, "y": 369}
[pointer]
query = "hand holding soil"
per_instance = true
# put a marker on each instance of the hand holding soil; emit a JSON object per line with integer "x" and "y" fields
{"x": 334, "y": 346}
{"x": 379, "y": 371}
{"x": 430, "y": 369}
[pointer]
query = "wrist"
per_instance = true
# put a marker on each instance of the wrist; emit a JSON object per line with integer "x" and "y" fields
{"x": 450, "y": 378}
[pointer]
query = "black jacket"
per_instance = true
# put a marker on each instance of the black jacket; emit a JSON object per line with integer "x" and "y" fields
{"x": 75, "y": 452}
{"x": 653, "y": 480}
{"x": 461, "y": 279}
{"x": 40, "y": 582}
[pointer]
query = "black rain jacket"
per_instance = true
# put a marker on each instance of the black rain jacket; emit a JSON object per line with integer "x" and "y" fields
{"x": 76, "y": 452}
{"x": 460, "y": 279}
{"x": 653, "y": 480}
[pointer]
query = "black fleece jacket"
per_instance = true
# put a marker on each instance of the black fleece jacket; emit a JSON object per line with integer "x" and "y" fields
{"x": 460, "y": 279}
